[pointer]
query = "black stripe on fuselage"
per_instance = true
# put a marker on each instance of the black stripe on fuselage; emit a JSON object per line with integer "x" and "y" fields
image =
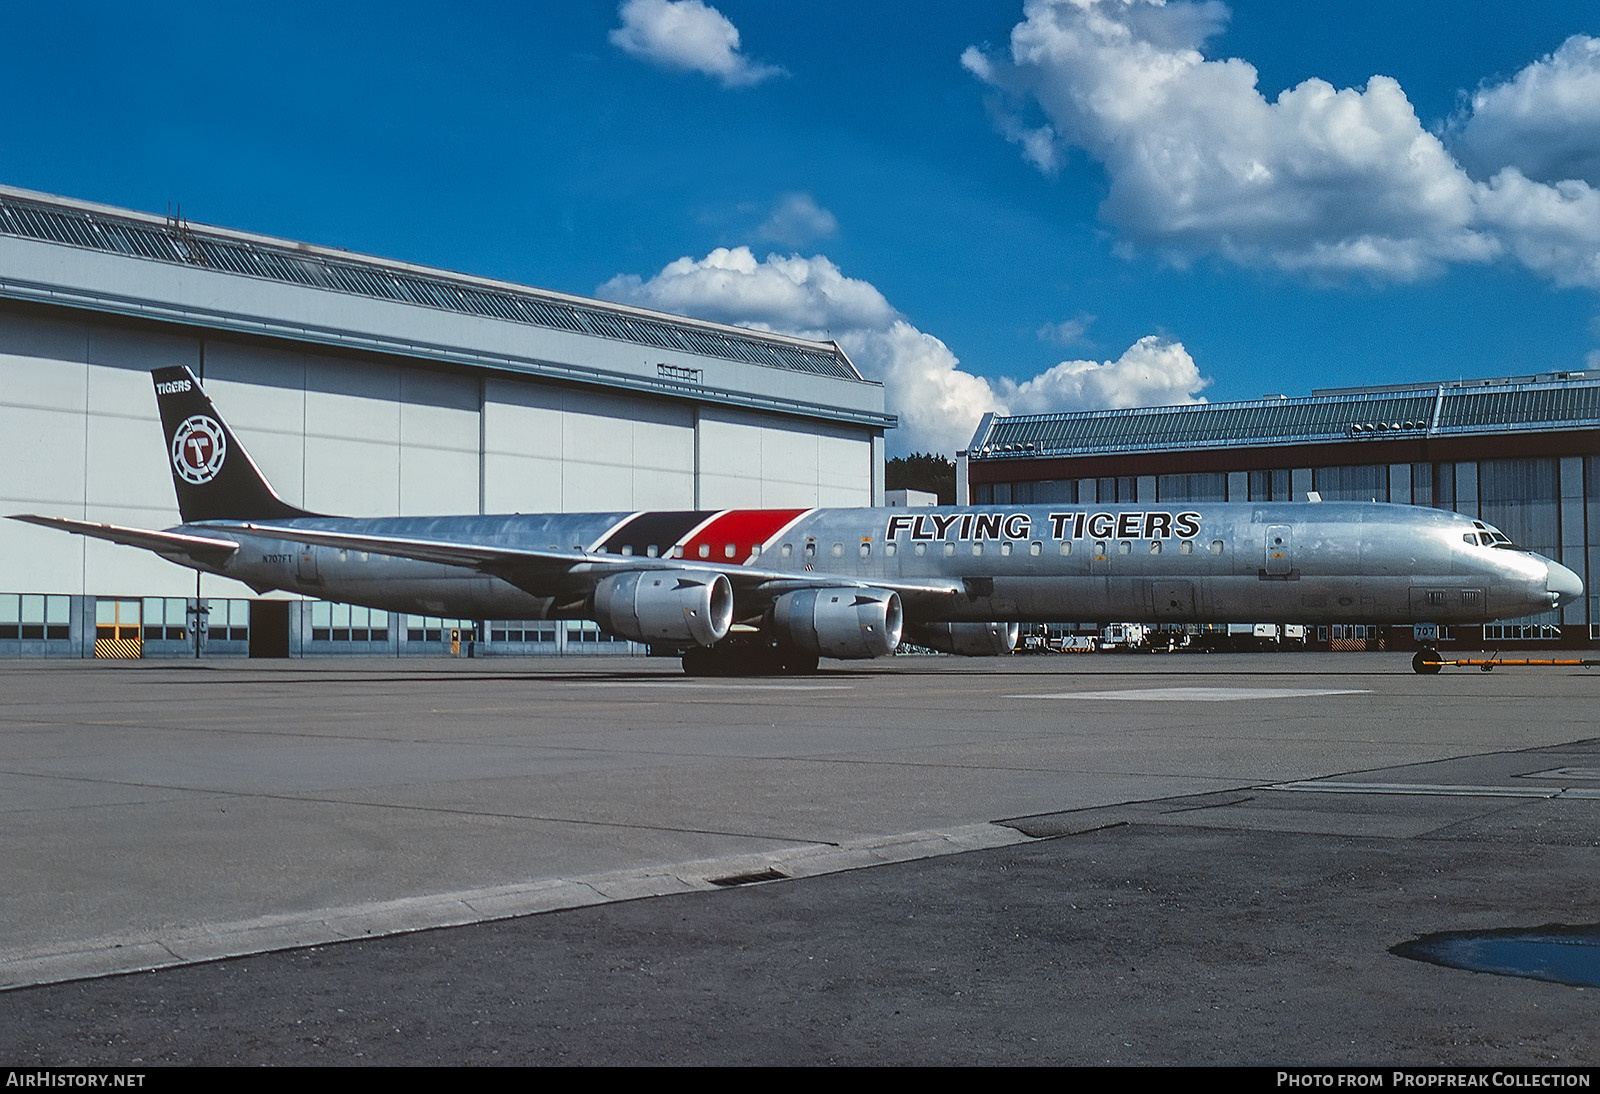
{"x": 658, "y": 530}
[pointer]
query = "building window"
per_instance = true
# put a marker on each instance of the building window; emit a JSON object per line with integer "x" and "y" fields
{"x": 1363, "y": 482}
{"x": 166, "y": 619}
{"x": 1270, "y": 485}
{"x": 522, "y": 630}
{"x": 1208, "y": 486}
{"x": 1520, "y": 497}
{"x": 429, "y": 629}
{"x": 1521, "y": 632}
{"x": 348, "y": 623}
{"x": 1058, "y": 491}
{"x": 34, "y": 615}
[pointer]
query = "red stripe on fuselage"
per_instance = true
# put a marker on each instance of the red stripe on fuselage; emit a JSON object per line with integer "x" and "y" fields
{"x": 743, "y": 529}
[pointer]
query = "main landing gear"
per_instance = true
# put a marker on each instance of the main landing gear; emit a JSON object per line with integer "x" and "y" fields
{"x": 733, "y": 657}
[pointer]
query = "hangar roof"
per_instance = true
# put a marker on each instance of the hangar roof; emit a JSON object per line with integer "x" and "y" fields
{"x": 61, "y": 252}
{"x": 1547, "y": 402}
{"x": 178, "y": 241}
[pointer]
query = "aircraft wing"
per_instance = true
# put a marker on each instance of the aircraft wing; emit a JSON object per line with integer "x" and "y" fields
{"x": 207, "y": 549}
{"x": 557, "y": 573}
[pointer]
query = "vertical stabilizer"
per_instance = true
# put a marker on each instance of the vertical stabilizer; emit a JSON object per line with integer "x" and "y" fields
{"x": 214, "y": 476}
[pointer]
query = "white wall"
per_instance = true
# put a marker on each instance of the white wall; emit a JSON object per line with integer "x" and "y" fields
{"x": 749, "y": 459}
{"x": 80, "y": 437}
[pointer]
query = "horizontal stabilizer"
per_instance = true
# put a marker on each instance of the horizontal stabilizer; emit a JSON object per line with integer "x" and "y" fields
{"x": 200, "y": 548}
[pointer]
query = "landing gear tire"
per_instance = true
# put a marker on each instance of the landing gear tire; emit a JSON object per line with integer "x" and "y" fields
{"x": 1426, "y": 662}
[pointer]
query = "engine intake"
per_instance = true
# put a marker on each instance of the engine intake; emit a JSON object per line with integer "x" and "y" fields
{"x": 665, "y": 606}
{"x": 849, "y": 624}
{"x": 966, "y": 639}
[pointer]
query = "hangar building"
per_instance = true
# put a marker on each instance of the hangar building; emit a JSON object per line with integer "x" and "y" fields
{"x": 1522, "y": 453}
{"x": 364, "y": 387}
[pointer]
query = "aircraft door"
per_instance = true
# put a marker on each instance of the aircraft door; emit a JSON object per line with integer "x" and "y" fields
{"x": 1100, "y": 557}
{"x": 1279, "y": 551}
{"x": 306, "y": 568}
{"x": 1173, "y": 600}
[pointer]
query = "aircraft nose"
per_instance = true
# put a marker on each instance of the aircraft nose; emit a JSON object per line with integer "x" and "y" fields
{"x": 1562, "y": 584}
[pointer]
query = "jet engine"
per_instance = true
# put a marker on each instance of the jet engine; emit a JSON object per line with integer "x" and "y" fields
{"x": 843, "y": 623}
{"x": 967, "y": 639}
{"x": 665, "y": 606}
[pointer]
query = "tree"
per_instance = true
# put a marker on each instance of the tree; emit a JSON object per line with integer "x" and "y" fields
{"x": 922, "y": 471}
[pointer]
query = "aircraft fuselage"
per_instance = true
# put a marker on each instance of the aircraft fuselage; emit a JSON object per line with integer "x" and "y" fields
{"x": 1299, "y": 562}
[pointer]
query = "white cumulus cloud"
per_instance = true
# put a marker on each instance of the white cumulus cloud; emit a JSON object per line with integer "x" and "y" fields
{"x": 690, "y": 36}
{"x": 1151, "y": 372}
{"x": 1544, "y": 121}
{"x": 938, "y": 402}
{"x": 1320, "y": 178}
{"x": 798, "y": 220}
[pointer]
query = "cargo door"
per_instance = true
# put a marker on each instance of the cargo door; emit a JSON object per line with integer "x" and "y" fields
{"x": 306, "y": 568}
{"x": 1279, "y": 551}
{"x": 1173, "y": 600}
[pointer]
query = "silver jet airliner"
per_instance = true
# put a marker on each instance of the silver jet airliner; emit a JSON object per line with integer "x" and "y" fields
{"x": 763, "y": 590}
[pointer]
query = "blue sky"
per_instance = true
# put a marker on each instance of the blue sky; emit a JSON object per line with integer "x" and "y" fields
{"x": 1064, "y": 207}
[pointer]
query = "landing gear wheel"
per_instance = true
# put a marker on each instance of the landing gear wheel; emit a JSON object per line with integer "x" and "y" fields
{"x": 1426, "y": 662}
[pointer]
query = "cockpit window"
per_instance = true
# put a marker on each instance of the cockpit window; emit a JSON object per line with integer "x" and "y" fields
{"x": 1470, "y": 537}
{"x": 1490, "y": 536}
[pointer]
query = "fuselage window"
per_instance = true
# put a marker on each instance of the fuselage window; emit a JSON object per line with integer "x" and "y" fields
{"x": 1005, "y": 548}
{"x": 949, "y": 550}
{"x": 921, "y": 549}
{"x": 889, "y": 549}
{"x": 1216, "y": 546}
{"x": 1066, "y": 546}
{"x": 977, "y": 548}
{"x": 705, "y": 550}
{"x": 1100, "y": 548}
{"x": 1155, "y": 546}
{"x": 1124, "y": 548}
{"x": 652, "y": 551}
{"x": 811, "y": 548}
{"x": 627, "y": 548}
{"x": 755, "y": 550}
{"x": 1035, "y": 547}
{"x": 837, "y": 550}
{"x": 866, "y": 550}
{"x": 788, "y": 550}
{"x": 677, "y": 551}
{"x": 727, "y": 552}
{"x": 1186, "y": 547}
